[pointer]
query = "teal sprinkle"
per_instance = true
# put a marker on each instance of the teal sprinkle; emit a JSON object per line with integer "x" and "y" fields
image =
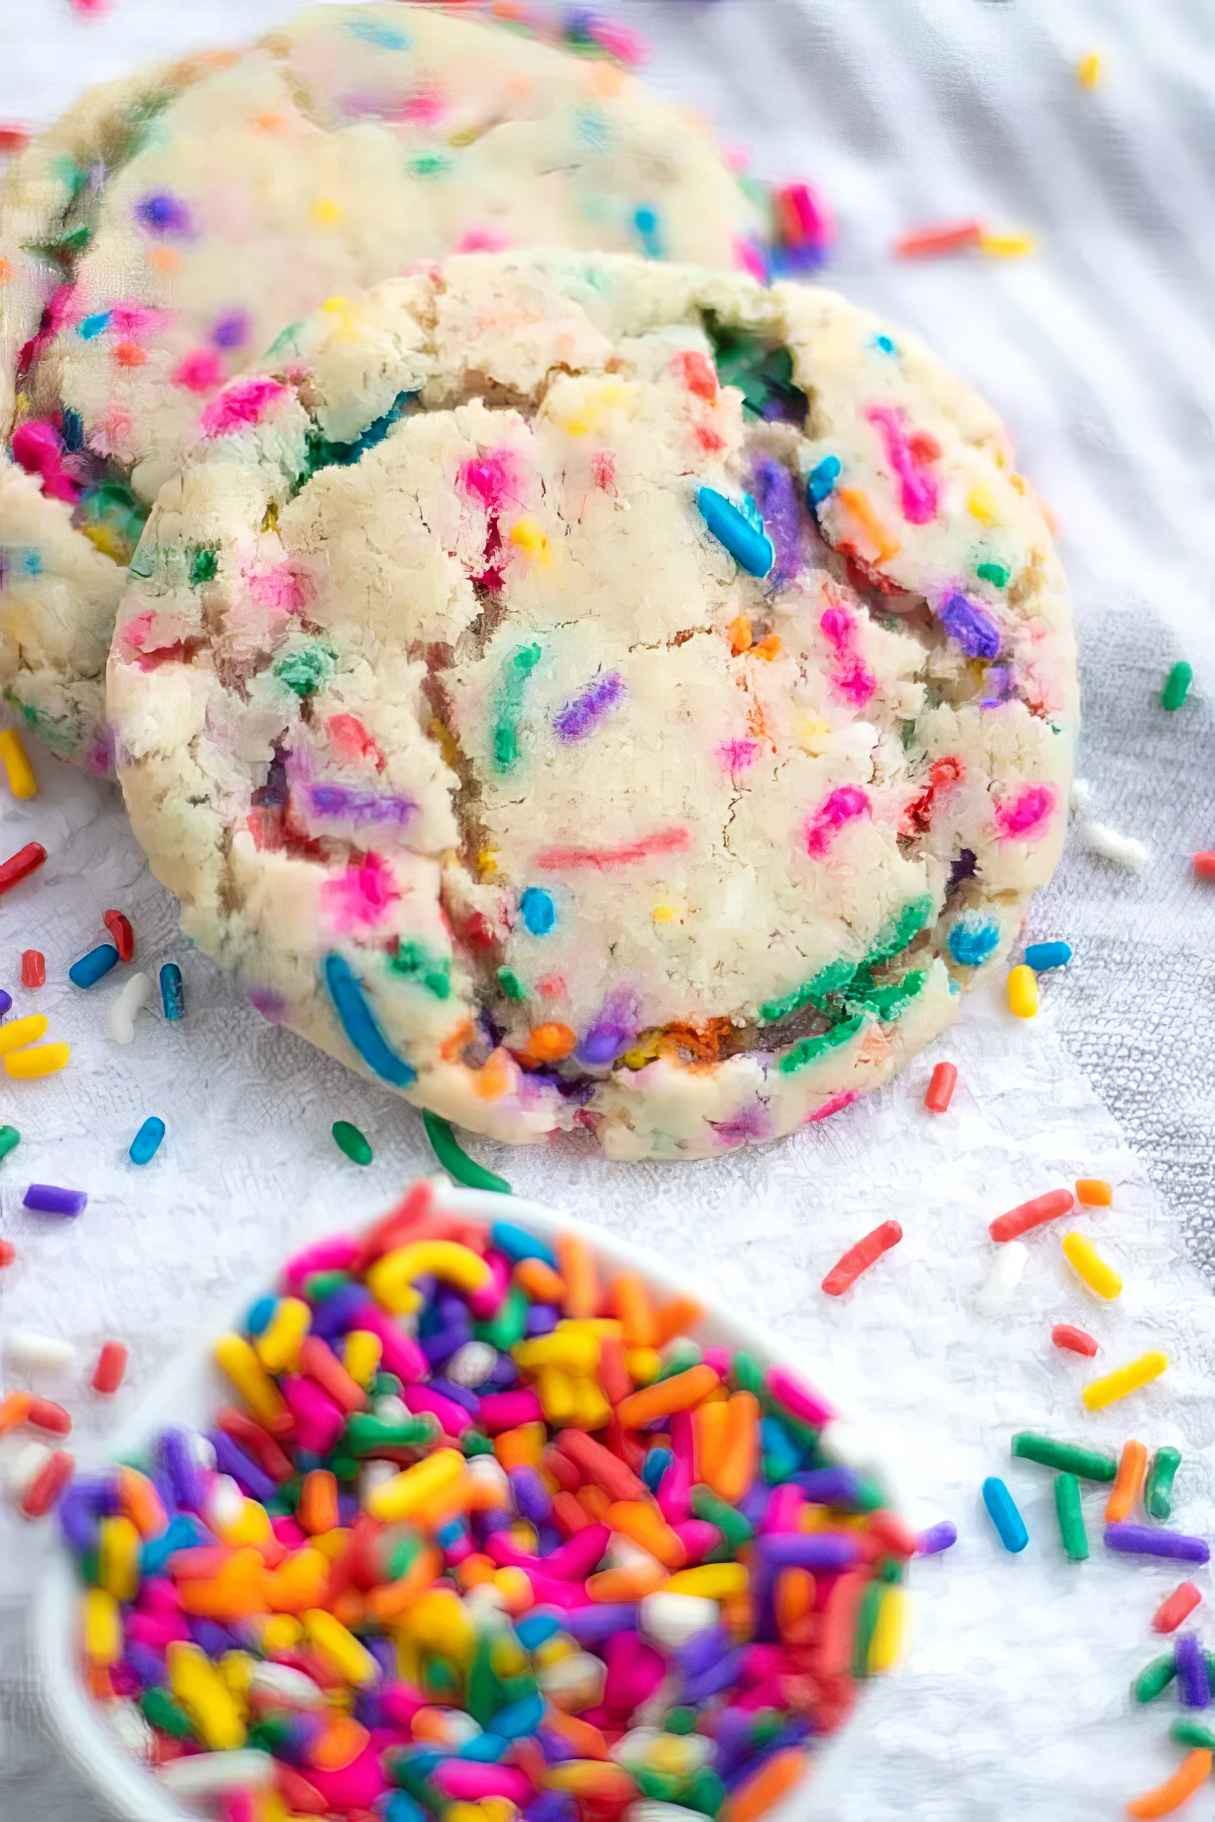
{"x": 831, "y": 979}
{"x": 894, "y": 936}
{"x": 204, "y": 563}
{"x": 884, "y": 344}
{"x": 838, "y": 976}
{"x": 359, "y": 1024}
{"x": 286, "y": 339}
{"x": 759, "y": 371}
{"x": 645, "y": 220}
{"x": 31, "y": 562}
{"x": 995, "y": 573}
{"x": 430, "y": 164}
{"x": 519, "y": 667}
{"x": 385, "y": 37}
{"x": 821, "y": 480}
{"x": 322, "y": 453}
{"x": 143, "y": 562}
{"x": 71, "y": 175}
{"x": 972, "y": 940}
{"x": 593, "y": 129}
{"x": 512, "y": 987}
{"x": 90, "y": 326}
{"x": 417, "y": 963}
{"x": 810, "y": 1050}
{"x": 305, "y": 670}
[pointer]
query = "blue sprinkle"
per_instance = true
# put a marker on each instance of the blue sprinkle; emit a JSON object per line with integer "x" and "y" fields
{"x": 822, "y": 479}
{"x": 31, "y": 562}
{"x": 401, "y": 1807}
{"x": 654, "y": 1466}
{"x": 6, "y": 1003}
{"x": 971, "y": 943}
{"x": 884, "y": 345}
{"x": 520, "y": 1719}
{"x": 257, "y": 1318}
{"x": 163, "y": 213}
{"x": 535, "y": 1629}
{"x": 172, "y": 992}
{"x": 538, "y": 911}
{"x": 146, "y": 1143}
{"x": 518, "y": 1244}
{"x": 484, "y": 1749}
{"x": 449, "y": 1534}
{"x": 358, "y": 1022}
{"x": 90, "y": 326}
{"x": 91, "y": 967}
{"x": 748, "y": 545}
{"x": 183, "y": 1532}
{"x": 1042, "y": 956}
{"x": 72, "y": 427}
{"x": 1003, "y": 1513}
{"x": 969, "y": 625}
{"x": 645, "y": 220}
{"x": 387, "y": 37}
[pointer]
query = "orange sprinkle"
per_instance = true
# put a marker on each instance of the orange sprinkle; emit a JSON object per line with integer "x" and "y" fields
{"x": 431, "y": 1727}
{"x": 13, "y": 1411}
{"x": 884, "y": 544}
{"x": 6, "y": 271}
{"x": 270, "y": 122}
{"x": 455, "y": 1041}
{"x": 1128, "y": 1483}
{"x": 1094, "y": 1192}
{"x": 764, "y": 1791}
{"x": 539, "y": 1280}
{"x": 318, "y": 1502}
{"x": 578, "y": 1273}
{"x": 645, "y": 1526}
{"x": 343, "y": 1740}
{"x": 734, "y": 1469}
{"x": 794, "y": 1601}
{"x": 613, "y": 1586}
{"x": 595, "y": 1502}
{"x": 389, "y": 1602}
{"x": 739, "y": 634}
{"x": 1168, "y": 1797}
{"x": 521, "y": 1447}
{"x": 709, "y": 1425}
{"x": 587, "y": 1739}
{"x": 493, "y": 1079}
{"x": 140, "y": 1502}
{"x": 166, "y": 260}
{"x": 615, "y": 1380}
{"x": 681, "y": 1392}
{"x": 550, "y": 1043}
{"x": 475, "y": 1570}
{"x": 949, "y": 237}
{"x": 769, "y": 647}
{"x": 631, "y": 1302}
{"x": 129, "y": 354}
{"x": 678, "y": 1317}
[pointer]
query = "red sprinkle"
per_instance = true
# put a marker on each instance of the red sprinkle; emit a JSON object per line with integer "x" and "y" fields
{"x": 33, "y": 968}
{"x": 20, "y": 865}
{"x": 47, "y": 1484}
{"x": 120, "y": 929}
{"x": 45, "y": 1414}
{"x": 1076, "y": 1341}
{"x": 110, "y": 1370}
{"x": 1032, "y": 1214}
{"x": 940, "y": 1088}
{"x": 663, "y": 841}
{"x": 1204, "y": 864}
{"x": 1176, "y": 1607}
{"x": 8, "y": 1253}
{"x": 949, "y": 237}
{"x": 860, "y": 1257}
{"x": 13, "y": 138}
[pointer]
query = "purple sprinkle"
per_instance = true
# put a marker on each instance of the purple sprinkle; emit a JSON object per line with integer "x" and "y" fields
{"x": 459, "y": 1394}
{"x": 78, "y": 1522}
{"x": 270, "y": 1004}
{"x": 1147, "y": 1540}
{"x": 177, "y": 1458}
{"x": 556, "y": 1750}
{"x": 578, "y": 717}
{"x": 446, "y": 1341}
{"x": 6, "y": 1003}
{"x": 334, "y": 1315}
{"x": 336, "y": 801}
{"x": 145, "y": 1663}
{"x": 615, "y": 1027}
{"x": 231, "y": 330}
{"x": 964, "y": 867}
{"x": 1191, "y": 1663}
{"x": 531, "y": 1495}
{"x": 591, "y": 1625}
{"x": 703, "y": 1651}
{"x": 942, "y": 1536}
{"x": 551, "y": 1806}
{"x": 777, "y": 498}
{"x": 754, "y": 1503}
{"x": 162, "y": 213}
{"x": 828, "y": 1486}
{"x": 48, "y": 1199}
{"x": 717, "y": 1677}
{"x": 541, "y": 1320}
{"x": 823, "y": 1550}
{"x": 969, "y": 625}
{"x": 999, "y": 686}
{"x": 753, "y": 1122}
{"x": 214, "y": 1638}
{"x": 231, "y": 1459}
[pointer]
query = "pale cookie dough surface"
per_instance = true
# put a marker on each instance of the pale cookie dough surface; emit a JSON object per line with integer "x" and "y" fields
{"x": 159, "y": 238}
{"x": 479, "y": 758}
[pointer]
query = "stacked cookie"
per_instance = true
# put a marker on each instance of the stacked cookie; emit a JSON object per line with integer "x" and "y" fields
{"x": 570, "y": 681}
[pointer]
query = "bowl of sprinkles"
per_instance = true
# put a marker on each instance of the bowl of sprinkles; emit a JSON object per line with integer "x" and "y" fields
{"x": 472, "y": 1517}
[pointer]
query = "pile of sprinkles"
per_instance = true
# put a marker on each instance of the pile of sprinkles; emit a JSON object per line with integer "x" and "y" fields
{"x": 485, "y": 1533}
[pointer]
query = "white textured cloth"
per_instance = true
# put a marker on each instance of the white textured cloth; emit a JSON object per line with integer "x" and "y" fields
{"x": 1100, "y": 352}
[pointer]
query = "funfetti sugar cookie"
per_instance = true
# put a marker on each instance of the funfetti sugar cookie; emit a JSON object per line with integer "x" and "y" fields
{"x": 587, "y": 693}
{"x": 157, "y": 240}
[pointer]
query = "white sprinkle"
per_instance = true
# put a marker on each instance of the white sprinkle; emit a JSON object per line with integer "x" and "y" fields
{"x": 30, "y": 1351}
{"x": 490, "y": 1473}
{"x": 375, "y": 1474}
{"x": 134, "y": 994}
{"x": 226, "y": 1502}
{"x": 484, "y": 1603}
{"x": 670, "y": 1620}
{"x": 287, "y": 1685}
{"x": 459, "y": 1728}
{"x": 209, "y": 1774}
{"x": 651, "y": 1810}
{"x": 623, "y": 1553}
{"x": 574, "y": 1682}
{"x": 471, "y": 1365}
{"x": 201, "y": 1449}
{"x": 1005, "y": 1275}
{"x": 1111, "y": 844}
{"x": 20, "y": 1468}
{"x": 391, "y": 1409}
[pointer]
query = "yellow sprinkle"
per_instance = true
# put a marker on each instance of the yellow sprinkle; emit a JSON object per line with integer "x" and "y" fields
{"x": 1102, "y": 1392}
{"x": 118, "y": 1558}
{"x": 102, "y": 1627}
{"x": 29, "y": 1065}
{"x": 361, "y": 1356}
{"x": 571, "y": 1347}
{"x": 236, "y": 1668}
{"x": 105, "y": 539}
{"x": 445, "y": 740}
{"x": 1090, "y": 1267}
{"x": 280, "y": 1633}
{"x": 279, "y": 1343}
{"x": 812, "y": 734}
{"x": 1022, "y": 991}
{"x": 391, "y": 1279}
{"x": 981, "y": 506}
{"x": 711, "y": 1581}
{"x": 205, "y": 1696}
{"x": 644, "y": 1364}
{"x": 1088, "y": 70}
{"x": 527, "y": 536}
{"x": 331, "y": 1544}
{"x": 236, "y": 1359}
{"x": 555, "y": 1390}
{"x": 887, "y": 1642}
{"x": 16, "y": 763}
{"x": 345, "y": 315}
{"x": 1007, "y": 246}
{"x": 591, "y": 1408}
{"x": 664, "y": 914}
{"x": 250, "y": 1526}
{"x": 21, "y": 1032}
{"x": 339, "y": 1647}
{"x": 326, "y": 212}
{"x": 596, "y": 402}
{"x": 882, "y": 542}
{"x": 487, "y": 863}
{"x": 413, "y": 1490}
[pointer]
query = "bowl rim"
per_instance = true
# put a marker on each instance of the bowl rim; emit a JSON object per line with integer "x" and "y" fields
{"x": 128, "y": 1788}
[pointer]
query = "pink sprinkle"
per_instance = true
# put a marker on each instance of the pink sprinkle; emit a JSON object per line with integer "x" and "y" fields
{"x": 237, "y": 1806}
{"x": 783, "y": 1509}
{"x": 835, "y": 1103}
{"x": 318, "y": 1420}
{"x": 799, "y": 1399}
{"x": 288, "y": 1533}
{"x": 842, "y": 806}
{"x": 737, "y": 755}
{"x": 698, "y": 1537}
{"x": 488, "y": 1300}
{"x": 574, "y": 1560}
{"x": 1027, "y": 814}
{"x": 483, "y": 240}
{"x": 199, "y": 371}
{"x": 507, "y": 1410}
{"x": 113, "y": 432}
{"x": 38, "y": 448}
{"x": 134, "y": 318}
{"x": 423, "y": 1400}
{"x": 603, "y": 470}
{"x": 917, "y": 490}
{"x": 491, "y": 478}
{"x": 469, "y": 1781}
{"x": 675, "y": 1491}
{"x": 427, "y": 105}
{"x": 280, "y": 589}
{"x": 335, "y": 1255}
{"x": 350, "y": 740}
{"x": 634, "y": 1671}
{"x": 851, "y": 679}
{"x": 361, "y": 896}
{"x": 748, "y": 258}
{"x": 400, "y": 1702}
{"x": 400, "y": 1352}
{"x": 354, "y": 1786}
{"x": 246, "y": 402}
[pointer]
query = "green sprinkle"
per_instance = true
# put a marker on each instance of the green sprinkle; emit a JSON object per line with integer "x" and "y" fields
{"x": 680, "y": 1720}
{"x": 811, "y": 1049}
{"x": 204, "y": 564}
{"x": 430, "y": 164}
{"x": 346, "y": 1468}
{"x": 481, "y": 1694}
{"x": 1191, "y": 1733}
{"x": 681, "y": 1356}
{"x": 325, "y": 1284}
{"x": 831, "y": 979}
{"x": 891, "y": 1001}
{"x": 365, "y": 1433}
{"x": 511, "y": 985}
{"x": 509, "y": 704}
{"x": 1071, "y": 1518}
{"x": 866, "y": 1625}
{"x": 995, "y": 573}
{"x": 1067, "y": 1457}
{"x": 271, "y": 1733}
{"x": 656, "y": 1785}
{"x": 1158, "y": 1491}
{"x": 386, "y": 1385}
{"x": 305, "y": 670}
{"x": 403, "y": 1556}
{"x": 901, "y": 930}
{"x": 1154, "y": 1679}
{"x": 734, "y": 1525}
{"x": 705, "y": 1793}
{"x": 507, "y": 1326}
{"x": 475, "y": 1442}
{"x": 349, "y": 1139}
{"x": 456, "y": 1161}
{"x": 418, "y": 963}
{"x": 1177, "y": 685}
{"x": 162, "y": 1712}
{"x": 747, "y": 1374}
{"x": 10, "y": 1138}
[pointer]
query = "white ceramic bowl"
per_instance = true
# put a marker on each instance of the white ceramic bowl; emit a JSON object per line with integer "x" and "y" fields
{"x": 191, "y": 1393}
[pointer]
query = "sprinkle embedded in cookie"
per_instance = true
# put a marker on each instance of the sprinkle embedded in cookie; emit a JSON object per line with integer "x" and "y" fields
{"x": 571, "y": 738}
